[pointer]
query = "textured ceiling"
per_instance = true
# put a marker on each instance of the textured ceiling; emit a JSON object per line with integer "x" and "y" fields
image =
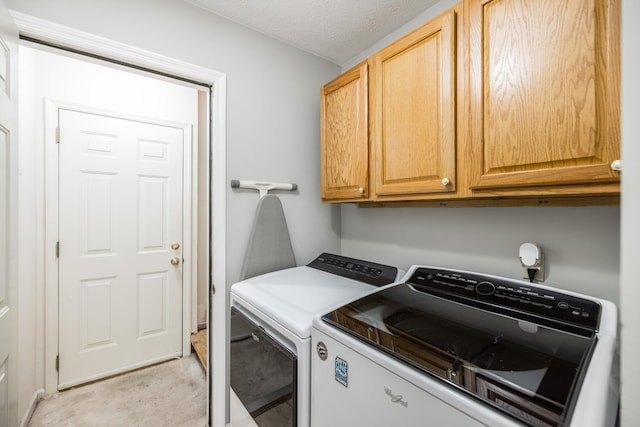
{"x": 336, "y": 30}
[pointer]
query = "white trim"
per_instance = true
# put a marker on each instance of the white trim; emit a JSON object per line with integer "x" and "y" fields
{"x": 68, "y": 37}
{"x": 35, "y": 398}
{"x": 219, "y": 305}
{"x": 189, "y": 233}
{"x": 190, "y": 306}
{"x": 51, "y": 215}
{"x": 86, "y": 42}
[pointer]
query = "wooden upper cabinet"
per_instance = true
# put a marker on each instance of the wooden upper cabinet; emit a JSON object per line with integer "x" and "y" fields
{"x": 344, "y": 144}
{"x": 544, "y": 87}
{"x": 491, "y": 99}
{"x": 413, "y": 111}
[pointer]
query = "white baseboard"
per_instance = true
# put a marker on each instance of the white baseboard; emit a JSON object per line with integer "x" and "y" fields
{"x": 37, "y": 395}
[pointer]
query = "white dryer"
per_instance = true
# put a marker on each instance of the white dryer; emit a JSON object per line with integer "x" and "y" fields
{"x": 272, "y": 367}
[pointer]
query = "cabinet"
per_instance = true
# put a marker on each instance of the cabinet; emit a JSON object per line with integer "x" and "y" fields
{"x": 344, "y": 152}
{"x": 407, "y": 145}
{"x": 505, "y": 102}
{"x": 545, "y": 102}
{"x": 413, "y": 98}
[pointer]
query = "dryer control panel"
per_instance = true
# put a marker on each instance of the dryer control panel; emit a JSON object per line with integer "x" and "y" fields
{"x": 356, "y": 269}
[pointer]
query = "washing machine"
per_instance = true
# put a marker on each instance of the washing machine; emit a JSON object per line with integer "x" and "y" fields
{"x": 466, "y": 349}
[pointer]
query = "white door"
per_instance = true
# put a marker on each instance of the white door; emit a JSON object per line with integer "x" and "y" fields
{"x": 8, "y": 219}
{"x": 120, "y": 237}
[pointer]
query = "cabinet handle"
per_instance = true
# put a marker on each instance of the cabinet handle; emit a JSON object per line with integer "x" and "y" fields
{"x": 445, "y": 181}
{"x": 361, "y": 190}
{"x": 616, "y": 165}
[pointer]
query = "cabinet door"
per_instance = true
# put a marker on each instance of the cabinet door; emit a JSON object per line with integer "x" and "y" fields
{"x": 344, "y": 140}
{"x": 545, "y": 99}
{"x": 414, "y": 109}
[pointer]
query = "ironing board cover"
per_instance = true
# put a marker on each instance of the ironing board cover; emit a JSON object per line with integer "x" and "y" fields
{"x": 269, "y": 246}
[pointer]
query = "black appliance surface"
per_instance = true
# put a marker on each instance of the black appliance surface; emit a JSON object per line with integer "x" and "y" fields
{"x": 520, "y": 348}
{"x": 356, "y": 269}
{"x": 263, "y": 374}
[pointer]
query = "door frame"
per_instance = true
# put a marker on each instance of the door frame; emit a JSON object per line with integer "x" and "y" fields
{"x": 216, "y": 159}
{"x": 9, "y": 302}
{"x": 51, "y": 227}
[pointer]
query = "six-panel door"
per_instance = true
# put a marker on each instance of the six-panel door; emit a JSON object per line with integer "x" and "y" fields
{"x": 121, "y": 189}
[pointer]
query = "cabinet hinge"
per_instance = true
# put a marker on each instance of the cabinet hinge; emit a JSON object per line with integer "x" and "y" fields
{"x": 57, "y": 135}
{"x": 57, "y": 249}
{"x": 58, "y": 363}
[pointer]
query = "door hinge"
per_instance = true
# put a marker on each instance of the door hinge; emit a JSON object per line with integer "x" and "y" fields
{"x": 58, "y": 363}
{"x": 57, "y": 135}
{"x": 57, "y": 249}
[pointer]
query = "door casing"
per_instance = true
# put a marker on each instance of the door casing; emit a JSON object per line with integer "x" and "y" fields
{"x": 9, "y": 216}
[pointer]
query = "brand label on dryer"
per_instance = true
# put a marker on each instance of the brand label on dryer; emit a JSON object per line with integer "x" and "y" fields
{"x": 342, "y": 371}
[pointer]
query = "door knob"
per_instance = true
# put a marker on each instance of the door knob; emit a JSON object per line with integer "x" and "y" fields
{"x": 175, "y": 246}
{"x": 175, "y": 260}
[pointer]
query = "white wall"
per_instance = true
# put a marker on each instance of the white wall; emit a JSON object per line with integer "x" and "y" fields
{"x": 581, "y": 245}
{"x": 630, "y": 266}
{"x": 272, "y": 104}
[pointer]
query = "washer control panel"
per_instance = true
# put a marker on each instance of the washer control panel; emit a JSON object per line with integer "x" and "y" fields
{"x": 508, "y": 294}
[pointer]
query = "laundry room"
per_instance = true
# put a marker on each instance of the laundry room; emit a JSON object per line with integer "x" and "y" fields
{"x": 263, "y": 107}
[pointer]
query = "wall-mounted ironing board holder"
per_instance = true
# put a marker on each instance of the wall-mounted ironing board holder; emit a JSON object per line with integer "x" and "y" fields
{"x": 263, "y": 187}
